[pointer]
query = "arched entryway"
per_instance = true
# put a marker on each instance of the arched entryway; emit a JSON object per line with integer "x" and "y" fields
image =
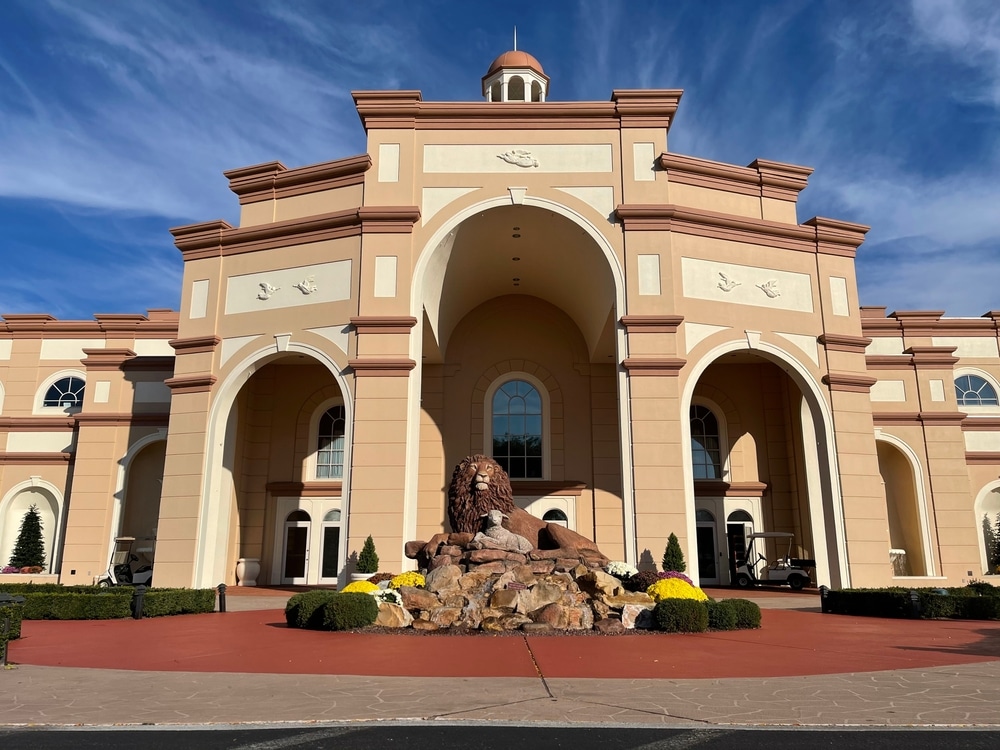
{"x": 519, "y": 346}
{"x": 774, "y": 468}
{"x": 909, "y": 546}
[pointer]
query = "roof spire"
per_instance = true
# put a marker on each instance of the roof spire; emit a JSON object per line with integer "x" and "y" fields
{"x": 515, "y": 38}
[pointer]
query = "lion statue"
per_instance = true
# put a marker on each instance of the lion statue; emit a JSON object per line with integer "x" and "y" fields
{"x": 479, "y": 484}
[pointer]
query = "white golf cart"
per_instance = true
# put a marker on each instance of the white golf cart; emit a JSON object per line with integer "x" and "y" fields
{"x": 126, "y": 569}
{"x": 755, "y": 570}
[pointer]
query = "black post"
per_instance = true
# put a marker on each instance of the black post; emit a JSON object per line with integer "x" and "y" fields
{"x": 137, "y": 595}
{"x": 824, "y": 605}
{"x": 222, "y": 597}
{"x": 915, "y": 610}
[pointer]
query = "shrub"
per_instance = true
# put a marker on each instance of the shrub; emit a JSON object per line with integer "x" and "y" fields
{"x": 29, "y": 550}
{"x": 673, "y": 556}
{"x": 359, "y": 587}
{"x": 163, "y": 602}
{"x": 368, "y": 560}
{"x": 15, "y": 612}
{"x": 641, "y": 580}
{"x": 983, "y": 588}
{"x": 721, "y": 615}
{"x": 981, "y": 608}
{"x": 75, "y": 606}
{"x": 681, "y": 616}
{"x": 747, "y": 614}
{"x": 347, "y": 611}
{"x": 675, "y": 588}
{"x": 305, "y": 610}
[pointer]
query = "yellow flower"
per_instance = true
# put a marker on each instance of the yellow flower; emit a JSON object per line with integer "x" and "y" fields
{"x": 675, "y": 588}
{"x": 359, "y": 587}
{"x": 410, "y": 578}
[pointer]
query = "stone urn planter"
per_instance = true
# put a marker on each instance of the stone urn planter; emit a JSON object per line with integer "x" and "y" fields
{"x": 360, "y": 576}
{"x": 247, "y": 570}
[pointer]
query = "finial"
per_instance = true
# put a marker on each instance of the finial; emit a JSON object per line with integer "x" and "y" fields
{"x": 515, "y": 38}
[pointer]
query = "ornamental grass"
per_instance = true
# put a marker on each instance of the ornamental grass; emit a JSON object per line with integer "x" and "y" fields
{"x": 675, "y": 588}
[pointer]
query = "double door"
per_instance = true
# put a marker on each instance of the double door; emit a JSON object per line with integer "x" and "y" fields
{"x": 308, "y": 544}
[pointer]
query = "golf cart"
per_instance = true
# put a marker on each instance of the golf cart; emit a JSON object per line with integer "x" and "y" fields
{"x": 121, "y": 571}
{"x": 755, "y": 570}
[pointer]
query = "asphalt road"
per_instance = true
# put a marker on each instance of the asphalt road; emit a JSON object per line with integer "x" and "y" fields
{"x": 494, "y": 737}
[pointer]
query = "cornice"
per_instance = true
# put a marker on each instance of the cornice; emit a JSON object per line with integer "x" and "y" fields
{"x": 779, "y": 180}
{"x": 219, "y": 238}
{"x": 20, "y": 326}
{"x": 837, "y": 342}
{"x": 366, "y": 324}
{"x": 99, "y": 360}
{"x": 762, "y": 178}
{"x": 274, "y": 180}
{"x": 835, "y": 237}
{"x": 720, "y": 488}
{"x": 149, "y": 364}
{"x": 406, "y": 110}
{"x": 913, "y": 418}
{"x": 979, "y": 458}
{"x": 849, "y": 382}
{"x": 981, "y": 424}
{"x": 198, "y": 383}
{"x": 669, "y": 367}
{"x": 896, "y": 418}
{"x": 943, "y": 418}
{"x": 38, "y": 424}
{"x": 195, "y": 344}
{"x": 651, "y": 323}
{"x": 130, "y": 419}
{"x": 889, "y": 362}
{"x": 933, "y": 357}
{"x": 381, "y": 367}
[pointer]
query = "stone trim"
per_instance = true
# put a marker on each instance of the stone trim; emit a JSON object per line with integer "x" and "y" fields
{"x": 837, "y": 342}
{"x": 912, "y": 418}
{"x": 134, "y": 420}
{"x": 273, "y": 180}
{"x": 383, "y": 324}
{"x": 901, "y": 418}
{"x": 761, "y": 178}
{"x": 718, "y": 487}
{"x": 160, "y": 324}
{"x": 550, "y": 487}
{"x": 654, "y": 366}
{"x": 195, "y": 344}
{"x": 651, "y": 323}
{"x": 889, "y": 362}
{"x": 198, "y": 383}
{"x": 38, "y": 424}
{"x": 382, "y": 367}
{"x": 149, "y": 364}
{"x": 933, "y": 357}
{"x": 102, "y": 360}
{"x": 943, "y": 418}
{"x": 849, "y": 382}
{"x": 979, "y": 458}
{"x": 981, "y": 424}
{"x": 306, "y": 489}
{"x": 34, "y": 458}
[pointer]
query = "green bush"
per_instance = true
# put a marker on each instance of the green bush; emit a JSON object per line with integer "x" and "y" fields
{"x": 20, "y": 589}
{"x": 721, "y": 615}
{"x": 305, "y": 610}
{"x": 974, "y": 602}
{"x": 162, "y": 602}
{"x": 349, "y": 611}
{"x": 15, "y": 613}
{"x": 368, "y": 560}
{"x": 673, "y": 555}
{"x": 747, "y": 614}
{"x": 981, "y": 608}
{"x": 681, "y": 616}
{"x": 72, "y": 606}
{"x": 891, "y": 602}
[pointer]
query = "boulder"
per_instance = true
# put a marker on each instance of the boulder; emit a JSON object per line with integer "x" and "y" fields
{"x": 412, "y": 549}
{"x": 599, "y": 584}
{"x": 536, "y": 628}
{"x": 479, "y": 556}
{"x": 440, "y": 561}
{"x": 393, "y": 616}
{"x": 451, "y": 549}
{"x": 629, "y": 597}
{"x": 414, "y": 598}
{"x": 607, "y": 626}
{"x": 443, "y": 578}
{"x": 542, "y": 567}
{"x": 425, "y": 625}
{"x": 444, "y": 617}
{"x": 504, "y": 598}
{"x": 638, "y": 616}
{"x": 538, "y": 596}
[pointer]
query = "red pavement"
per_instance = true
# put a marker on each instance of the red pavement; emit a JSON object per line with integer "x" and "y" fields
{"x": 789, "y": 643}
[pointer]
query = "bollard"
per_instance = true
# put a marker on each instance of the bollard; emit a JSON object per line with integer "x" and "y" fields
{"x": 914, "y": 604}
{"x": 137, "y": 595}
{"x": 221, "y": 588}
{"x": 824, "y": 605}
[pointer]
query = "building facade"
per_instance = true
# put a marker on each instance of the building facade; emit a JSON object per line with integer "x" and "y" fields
{"x": 648, "y": 342}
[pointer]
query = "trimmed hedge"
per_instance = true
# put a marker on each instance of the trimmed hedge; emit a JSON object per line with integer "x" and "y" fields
{"x": 331, "y": 610}
{"x": 721, "y": 615}
{"x": 15, "y": 613}
{"x": 46, "y": 606}
{"x": 681, "y": 616}
{"x": 747, "y": 614}
{"x": 164, "y": 602}
{"x": 50, "y": 601}
{"x": 973, "y": 602}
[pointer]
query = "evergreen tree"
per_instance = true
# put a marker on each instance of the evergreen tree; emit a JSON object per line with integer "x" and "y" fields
{"x": 673, "y": 557}
{"x": 368, "y": 560}
{"x": 30, "y": 548}
{"x": 995, "y": 567}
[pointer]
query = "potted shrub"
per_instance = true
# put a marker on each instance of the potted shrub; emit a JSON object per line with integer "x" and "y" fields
{"x": 367, "y": 561}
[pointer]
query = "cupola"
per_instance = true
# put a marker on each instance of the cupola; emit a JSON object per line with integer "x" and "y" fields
{"x": 515, "y": 76}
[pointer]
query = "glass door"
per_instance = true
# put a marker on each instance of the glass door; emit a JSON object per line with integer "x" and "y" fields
{"x": 708, "y": 563}
{"x": 295, "y": 561}
{"x": 330, "y": 546}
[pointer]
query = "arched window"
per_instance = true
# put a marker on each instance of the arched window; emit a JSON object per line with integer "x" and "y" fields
{"x": 515, "y": 89}
{"x": 517, "y": 429}
{"x": 66, "y": 393}
{"x": 706, "y": 454}
{"x": 330, "y": 444}
{"x": 972, "y": 390}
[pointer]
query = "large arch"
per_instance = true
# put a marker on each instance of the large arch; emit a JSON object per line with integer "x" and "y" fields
{"x": 823, "y": 477}
{"x": 213, "y": 533}
{"x": 906, "y": 500}
{"x": 426, "y": 291}
{"x": 121, "y": 480}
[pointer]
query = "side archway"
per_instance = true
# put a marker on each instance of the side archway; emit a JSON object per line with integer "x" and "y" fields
{"x": 906, "y": 505}
{"x": 15, "y": 504}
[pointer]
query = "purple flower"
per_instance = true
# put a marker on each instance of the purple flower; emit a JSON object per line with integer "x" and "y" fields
{"x": 675, "y": 574}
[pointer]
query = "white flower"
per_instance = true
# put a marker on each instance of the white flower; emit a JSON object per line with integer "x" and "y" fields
{"x": 620, "y": 569}
{"x": 387, "y": 596}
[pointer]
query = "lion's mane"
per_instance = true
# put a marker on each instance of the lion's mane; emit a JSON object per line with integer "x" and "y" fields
{"x": 466, "y": 505}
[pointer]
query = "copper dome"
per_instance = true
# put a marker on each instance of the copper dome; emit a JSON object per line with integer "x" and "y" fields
{"x": 516, "y": 59}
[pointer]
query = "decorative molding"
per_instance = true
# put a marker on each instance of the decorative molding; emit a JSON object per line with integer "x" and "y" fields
{"x": 547, "y": 488}
{"x": 103, "y": 360}
{"x": 849, "y": 382}
{"x": 982, "y": 458}
{"x": 195, "y": 345}
{"x": 274, "y": 180}
{"x": 266, "y": 290}
{"x": 37, "y": 424}
{"x": 159, "y": 323}
{"x": 943, "y": 418}
{"x": 199, "y": 383}
{"x": 382, "y": 367}
{"x": 721, "y": 488}
{"x": 306, "y": 489}
{"x": 838, "y": 342}
{"x": 886, "y": 419}
{"x": 889, "y": 362}
{"x": 770, "y": 288}
{"x": 34, "y": 458}
{"x": 981, "y": 424}
{"x": 130, "y": 419}
{"x": 933, "y": 357}
{"x": 307, "y": 285}
{"x": 519, "y": 158}
{"x": 383, "y": 324}
{"x": 149, "y": 364}
{"x": 726, "y": 284}
{"x": 651, "y": 323}
{"x": 913, "y": 418}
{"x": 653, "y": 366}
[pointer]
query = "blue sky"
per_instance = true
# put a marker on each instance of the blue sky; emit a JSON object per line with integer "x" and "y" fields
{"x": 117, "y": 118}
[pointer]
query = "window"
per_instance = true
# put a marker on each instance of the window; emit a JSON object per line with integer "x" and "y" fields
{"x": 330, "y": 444}
{"x": 556, "y": 516}
{"x": 706, "y": 456}
{"x": 517, "y": 429}
{"x": 65, "y": 393}
{"x": 972, "y": 390}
